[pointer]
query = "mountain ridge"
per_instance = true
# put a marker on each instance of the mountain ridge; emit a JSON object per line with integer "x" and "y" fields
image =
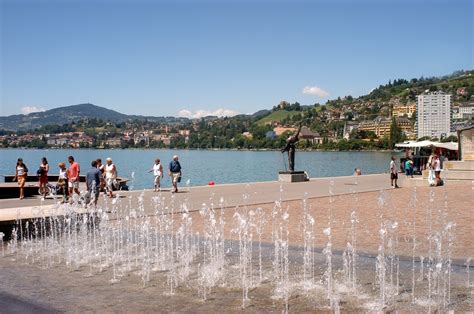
{"x": 72, "y": 113}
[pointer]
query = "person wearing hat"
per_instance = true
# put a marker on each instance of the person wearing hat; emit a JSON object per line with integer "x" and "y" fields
{"x": 62, "y": 181}
{"x": 175, "y": 173}
{"x": 110, "y": 172}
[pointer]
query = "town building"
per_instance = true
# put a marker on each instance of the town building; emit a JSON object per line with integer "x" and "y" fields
{"x": 433, "y": 114}
{"x": 381, "y": 126}
{"x": 348, "y": 128}
{"x": 464, "y": 111}
{"x": 310, "y": 136}
{"x": 280, "y": 130}
{"x": 401, "y": 110}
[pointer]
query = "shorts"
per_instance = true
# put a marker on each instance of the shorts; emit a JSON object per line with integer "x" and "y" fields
{"x": 21, "y": 181}
{"x": 43, "y": 179}
{"x": 394, "y": 176}
{"x": 175, "y": 176}
{"x": 157, "y": 180}
{"x": 437, "y": 173}
{"x": 73, "y": 185}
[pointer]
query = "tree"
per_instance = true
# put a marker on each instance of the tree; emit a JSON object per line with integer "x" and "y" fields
{"x": 396, "y": 134}
{"x": 451, "y": 138}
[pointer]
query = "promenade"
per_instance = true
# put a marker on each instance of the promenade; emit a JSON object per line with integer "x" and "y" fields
{"x": 349, "y": 194}
{"x": 354, "y": 209}
{"x": 232, "y": 194}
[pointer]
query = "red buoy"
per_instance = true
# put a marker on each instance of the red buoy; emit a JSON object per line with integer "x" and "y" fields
{"x": 211, "y": 183}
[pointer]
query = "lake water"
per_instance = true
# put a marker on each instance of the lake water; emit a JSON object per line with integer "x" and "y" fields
{"x": 202, "y": 166}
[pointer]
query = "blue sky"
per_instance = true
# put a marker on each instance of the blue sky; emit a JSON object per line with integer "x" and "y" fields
{"x": 193, "y": 58}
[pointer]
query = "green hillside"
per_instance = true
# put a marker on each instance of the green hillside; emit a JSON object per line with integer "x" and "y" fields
{"x": 278, "y": 116}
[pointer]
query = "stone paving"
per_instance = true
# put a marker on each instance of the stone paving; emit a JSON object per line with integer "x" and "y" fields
{"x": 420, "y": 215}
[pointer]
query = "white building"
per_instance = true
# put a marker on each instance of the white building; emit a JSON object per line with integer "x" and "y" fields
{"x": 466, "y": 110}
{"x": 433, "y": 114}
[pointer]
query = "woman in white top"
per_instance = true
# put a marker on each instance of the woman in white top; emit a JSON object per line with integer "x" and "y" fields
{"x": 62, "y": 181}
{"x": 158, "y": 173}
{"x": 431, "y": 171}
{"x": 110, "y": 173}
{"x": 437, "y": 170}
{"x": 21, "y": 172}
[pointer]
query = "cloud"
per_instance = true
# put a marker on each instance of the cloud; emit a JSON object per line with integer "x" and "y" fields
{"x": 315, "y": 90}
{"x": 31, "y": 109}
{"x": 221, "y": 112}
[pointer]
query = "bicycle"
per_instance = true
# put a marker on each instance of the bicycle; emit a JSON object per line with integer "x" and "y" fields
{"x": 48, "y": 190}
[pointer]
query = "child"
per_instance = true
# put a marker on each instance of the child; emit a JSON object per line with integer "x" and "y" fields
{"x": 62, "y": 181}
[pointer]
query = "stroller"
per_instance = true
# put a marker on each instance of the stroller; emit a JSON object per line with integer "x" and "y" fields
{"x": 49, "y": 190}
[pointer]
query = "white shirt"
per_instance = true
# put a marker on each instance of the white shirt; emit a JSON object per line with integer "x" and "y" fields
{"x": 393, "y": 167}
{"x": 437, "y": 165}
{"x": 63, "y": 174}
{"x": 109, "y": 173}
{"x": 20, "y": 170}
{"x": 156, "y": 169}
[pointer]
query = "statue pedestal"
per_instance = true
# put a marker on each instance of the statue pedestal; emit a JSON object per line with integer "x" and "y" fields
{"x": 292, "y": 176}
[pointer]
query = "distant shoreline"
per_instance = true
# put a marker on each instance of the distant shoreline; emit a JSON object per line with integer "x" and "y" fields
{"x": 211, "y": 149}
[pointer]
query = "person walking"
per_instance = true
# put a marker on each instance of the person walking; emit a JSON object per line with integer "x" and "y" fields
{"x": 100, "y": 165}
{"x": 157, "y": 170}
{"x": 63, "y": 181}
{"x": 393, "y": 173}
{"x": 175, "y": 173}
{"x": 437, "y": 170}
{"x": 93, "y": 179}
{"x": 101, "y": 168}
{"x": 409, "y": 167}
{"x": 73, "y": 176}
{"x": 43, "y": 176}
{"x": 431, "y": 172}
{"x": 21, "y": 172}
{"x": 110, "y": 172}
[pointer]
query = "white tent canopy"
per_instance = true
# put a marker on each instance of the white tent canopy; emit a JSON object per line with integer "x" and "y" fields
{"x": 414, "y": 144}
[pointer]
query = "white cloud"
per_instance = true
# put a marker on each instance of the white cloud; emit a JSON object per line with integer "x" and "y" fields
{"x": 31, "y": 109}
{"x": 315, "y": 90}
{"x": 221, "y": 112}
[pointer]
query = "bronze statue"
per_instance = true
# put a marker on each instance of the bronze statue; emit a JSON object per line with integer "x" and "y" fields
{"x": 290, "y": 147}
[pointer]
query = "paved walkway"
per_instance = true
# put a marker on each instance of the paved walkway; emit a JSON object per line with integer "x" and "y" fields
{"x": 232, "y": 194}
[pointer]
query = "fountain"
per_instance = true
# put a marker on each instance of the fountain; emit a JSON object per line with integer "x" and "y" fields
{"x": 193, "y": 247}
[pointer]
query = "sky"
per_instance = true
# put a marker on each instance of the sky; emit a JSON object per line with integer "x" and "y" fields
{"x": 194, "y": 58}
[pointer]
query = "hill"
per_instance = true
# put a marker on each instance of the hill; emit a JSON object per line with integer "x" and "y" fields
{"x": 278, "y": 115}
{"x": 63, "y": 115}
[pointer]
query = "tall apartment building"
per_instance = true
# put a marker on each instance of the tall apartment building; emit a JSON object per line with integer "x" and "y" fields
{"x": 433, "y": 114}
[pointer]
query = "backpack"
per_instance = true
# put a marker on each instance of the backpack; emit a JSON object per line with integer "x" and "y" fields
{"x": 40, "y": 171}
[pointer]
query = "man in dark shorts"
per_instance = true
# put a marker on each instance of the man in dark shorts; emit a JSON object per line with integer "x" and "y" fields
{"x": 393, "y": 173}
{"x": 93, "y": 179}
{"x": 174, "y": 172}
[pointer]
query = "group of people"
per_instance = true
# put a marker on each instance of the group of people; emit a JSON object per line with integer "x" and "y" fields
{"x": 99, "y": 177}
{"x": 434, "y": 170}
{"x": 433, "y": 165}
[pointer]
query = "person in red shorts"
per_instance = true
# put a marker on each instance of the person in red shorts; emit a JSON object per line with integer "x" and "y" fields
{"x": 43, "y": 176}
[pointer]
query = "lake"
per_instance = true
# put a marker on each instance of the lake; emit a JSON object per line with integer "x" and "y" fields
{"x": 202, "y": 166}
